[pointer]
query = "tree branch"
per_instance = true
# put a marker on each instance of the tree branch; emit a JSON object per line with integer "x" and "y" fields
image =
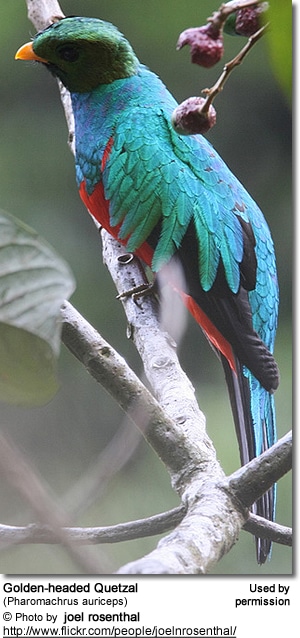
{"x": 255, "y": 478}
{"x": 103, "y": 363}
{"x": 43, "y": 12}
{"x": 150, "y": 526}
{"x": 266, "y": 529}
{"x": 210, "y": 481}
{"x": 157, "y": 524}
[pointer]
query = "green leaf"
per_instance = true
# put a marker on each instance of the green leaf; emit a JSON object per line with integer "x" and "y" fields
{"x": 34, "y": 282}
{"x": 27, "y": 367}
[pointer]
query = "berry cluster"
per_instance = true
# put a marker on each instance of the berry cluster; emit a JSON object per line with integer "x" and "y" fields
{"x": 197, "y": 115}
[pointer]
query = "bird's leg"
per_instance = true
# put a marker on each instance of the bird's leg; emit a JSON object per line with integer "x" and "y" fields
{"x": 147, "y": 288}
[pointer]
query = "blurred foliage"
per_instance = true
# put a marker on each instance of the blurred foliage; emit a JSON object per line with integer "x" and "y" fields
{"x": 280, "y": 44}
{"x": 34, "y": 283}
{"x": 253, "y": 135}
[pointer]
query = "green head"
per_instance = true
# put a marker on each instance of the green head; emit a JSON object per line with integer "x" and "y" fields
{"x": 82, "y": 52}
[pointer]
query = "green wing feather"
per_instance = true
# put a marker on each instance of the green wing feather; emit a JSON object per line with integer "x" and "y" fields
{"x": 155, "y": 176}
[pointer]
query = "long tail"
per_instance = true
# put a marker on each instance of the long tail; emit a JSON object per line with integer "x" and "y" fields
{"x": 226, "y": 321}
{"x": 254, "y": 418}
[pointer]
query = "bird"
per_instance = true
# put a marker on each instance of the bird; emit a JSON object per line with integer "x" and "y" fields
{"x": 171, "y": 199}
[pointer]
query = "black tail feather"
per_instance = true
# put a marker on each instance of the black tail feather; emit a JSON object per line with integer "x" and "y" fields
{"x": 239, "y": 393}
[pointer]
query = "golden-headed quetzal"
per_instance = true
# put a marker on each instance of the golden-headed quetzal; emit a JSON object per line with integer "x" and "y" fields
{"x": 169, "y": 197}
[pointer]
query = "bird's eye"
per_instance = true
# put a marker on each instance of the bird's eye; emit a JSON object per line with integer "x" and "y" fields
{"x": 69, "y": 53}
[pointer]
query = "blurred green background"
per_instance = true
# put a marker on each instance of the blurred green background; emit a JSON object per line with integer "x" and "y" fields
{"x": 64, "y": 438}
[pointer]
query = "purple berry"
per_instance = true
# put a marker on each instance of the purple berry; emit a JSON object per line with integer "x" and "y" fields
{"x": 248, "y": 20}
{"x": 206, "y": 44}
{"x": 188, "y": 118}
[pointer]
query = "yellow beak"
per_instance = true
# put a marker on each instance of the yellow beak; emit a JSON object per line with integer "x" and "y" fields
{"x": 26, "y": 52}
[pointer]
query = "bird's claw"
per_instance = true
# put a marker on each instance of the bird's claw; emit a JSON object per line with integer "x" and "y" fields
{"x": 138, "y": 291}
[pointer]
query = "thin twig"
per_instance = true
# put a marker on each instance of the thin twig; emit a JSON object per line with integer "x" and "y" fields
{"x": 225, "y": 10}
{"x": 19, "y": 473}
{"x": 95, "y": 481}
{"x": 228, "y": 68}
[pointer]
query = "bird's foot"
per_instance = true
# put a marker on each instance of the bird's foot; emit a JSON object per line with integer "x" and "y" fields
{"x": 139, "y": 291}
